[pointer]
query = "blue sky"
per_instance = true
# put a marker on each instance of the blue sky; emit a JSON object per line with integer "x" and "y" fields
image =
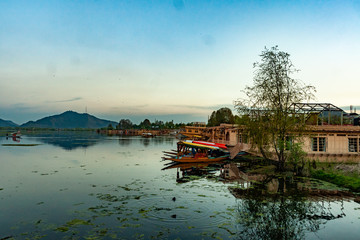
{"x": 167, "y": 60}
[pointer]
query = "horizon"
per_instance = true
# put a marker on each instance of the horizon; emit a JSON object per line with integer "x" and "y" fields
{"x": 164, "y": 118}
{"x": 166, "y": 60}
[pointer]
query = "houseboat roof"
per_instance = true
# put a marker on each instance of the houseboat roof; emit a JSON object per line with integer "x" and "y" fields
{"x": 333, "y": 128}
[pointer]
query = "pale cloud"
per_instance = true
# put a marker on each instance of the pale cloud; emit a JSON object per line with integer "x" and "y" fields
{"x": 210, "y": 107}
{"x": 146, "y": 68}
{"x": 65, "y": 100}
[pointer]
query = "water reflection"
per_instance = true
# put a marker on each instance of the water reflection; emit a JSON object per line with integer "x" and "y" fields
{"x": 125, "y": 141}
{"x": 281, "y": 219}
{"x": 71, "y": 140}
{"x": 15, "y": 139}
{"x": 117, "y": 190}
{"x": 68, "y": 140}
{"x": 271, "y": 207}
{"x": 145, "y": 141}
{"x": 191, "y": 171}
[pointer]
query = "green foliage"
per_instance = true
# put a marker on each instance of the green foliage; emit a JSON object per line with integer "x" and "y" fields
{"x": 297, "y": 157}
{"x": 146, "y": 124}
{"x": 223, "y": 115}
{"x": 353, "y": 183}
{"x": 267, "y": 110}
{"x": 125, "y": 124}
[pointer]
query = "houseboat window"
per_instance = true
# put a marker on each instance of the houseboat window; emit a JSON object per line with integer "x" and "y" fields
{"x": 314, "y": 144}
{"x": 322, "y": 144}
{"x": 318, "y": 144}
{"x": 353, "y": 144}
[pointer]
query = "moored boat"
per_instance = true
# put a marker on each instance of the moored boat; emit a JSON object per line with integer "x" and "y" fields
{"x": 220, "y": 145}
{"x": 14, "y": 134}
{"x": 147, "y": 135}
{"x": 190, "y": 152}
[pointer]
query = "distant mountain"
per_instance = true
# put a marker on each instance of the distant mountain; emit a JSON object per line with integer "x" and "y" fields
{"x": 7, "y": 123}
{"x": 70, "y": 119}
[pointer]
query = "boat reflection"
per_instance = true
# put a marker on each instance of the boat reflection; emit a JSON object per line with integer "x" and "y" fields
{"x": 255, "y": 185}
{"x": 222, "y": 171}
{"x": 15, "y": 139}
{"x": 15, "y": 136}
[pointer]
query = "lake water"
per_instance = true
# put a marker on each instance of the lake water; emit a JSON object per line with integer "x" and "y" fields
{"x": 70, "y": 185}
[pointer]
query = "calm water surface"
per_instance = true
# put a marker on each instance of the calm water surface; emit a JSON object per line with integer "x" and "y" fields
{"x": 87, "y": 186}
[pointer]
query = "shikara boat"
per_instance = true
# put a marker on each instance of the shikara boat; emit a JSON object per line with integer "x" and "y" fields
{"x": 213, "y": 144}
{"x": 190, "y": 152}
{"x": 14, "y": 134}
{"x": 147, "y": 135}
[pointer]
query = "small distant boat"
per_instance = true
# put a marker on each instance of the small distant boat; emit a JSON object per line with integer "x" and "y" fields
{"x": 14, "y": 134}
{"x": 147, "y": 135}
{"x": 190, "y": 152}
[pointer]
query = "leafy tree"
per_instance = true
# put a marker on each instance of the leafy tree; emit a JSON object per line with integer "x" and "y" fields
{"x": 146, "y": 124}
{"x": 110, "y": 127}
{"x": 270, "y": 117}
{"x": 125, "y": 124}
{"x": 223, "y": 115}
{"x": 170, "y": 125}
{"x": 157, "y": 124}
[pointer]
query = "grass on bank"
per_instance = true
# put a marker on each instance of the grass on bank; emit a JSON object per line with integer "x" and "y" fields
{"x": 341, "y": 174}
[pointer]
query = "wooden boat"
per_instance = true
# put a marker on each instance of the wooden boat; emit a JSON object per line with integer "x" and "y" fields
{"x": 194, "y": 159}
{"x": 189, "y": 152}
{"x": 220, "y": 145}
{"x": 14, "y": 134}
{"x": 147, "y": 135}
{"x": 182, "y": 135}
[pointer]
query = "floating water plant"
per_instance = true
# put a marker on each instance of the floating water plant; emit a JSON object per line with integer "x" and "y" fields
{"x": 19, "y": 145}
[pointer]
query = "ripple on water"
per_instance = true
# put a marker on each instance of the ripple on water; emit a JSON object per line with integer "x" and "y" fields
{"x": 170, "y": 210}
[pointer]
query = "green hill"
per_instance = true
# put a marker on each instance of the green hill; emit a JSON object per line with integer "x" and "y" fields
{"x": 70, "y": 119}
{"x": 7, "y": 123}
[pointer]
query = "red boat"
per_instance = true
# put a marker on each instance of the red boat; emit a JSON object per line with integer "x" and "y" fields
{"x": 219, "y": 145}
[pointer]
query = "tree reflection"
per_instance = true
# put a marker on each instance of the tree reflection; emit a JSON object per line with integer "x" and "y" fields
{"x": 125, "y": 141}
{"x": 279, "y": 216}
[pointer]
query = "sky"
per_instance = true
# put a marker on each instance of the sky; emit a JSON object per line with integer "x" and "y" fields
{"x": 167, "y": 60}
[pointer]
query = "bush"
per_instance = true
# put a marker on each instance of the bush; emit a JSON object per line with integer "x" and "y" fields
{"x": 297, "y": 158}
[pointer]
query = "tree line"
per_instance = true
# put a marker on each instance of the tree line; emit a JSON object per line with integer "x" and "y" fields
{"x": 125, "y": 124}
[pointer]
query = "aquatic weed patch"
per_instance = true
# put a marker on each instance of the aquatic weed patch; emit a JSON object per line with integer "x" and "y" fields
{"x": 353, "y": 183}
{"x": 19, "y": 145}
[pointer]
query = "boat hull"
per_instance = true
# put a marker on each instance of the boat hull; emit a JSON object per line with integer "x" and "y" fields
{"x": 197, "y": 160}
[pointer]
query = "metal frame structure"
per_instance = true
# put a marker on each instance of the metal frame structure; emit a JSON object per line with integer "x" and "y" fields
{"x": 308, "y": 108}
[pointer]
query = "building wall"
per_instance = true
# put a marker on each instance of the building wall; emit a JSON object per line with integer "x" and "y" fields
{"x": 335, "y": 147}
